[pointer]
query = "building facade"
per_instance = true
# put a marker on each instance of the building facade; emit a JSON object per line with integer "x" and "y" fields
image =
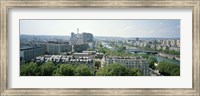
{"x": 78, "y": 39}
{"x": 129, "y": 62}
{"x": 54, "y": 48}
{"x": 30, "y": 52}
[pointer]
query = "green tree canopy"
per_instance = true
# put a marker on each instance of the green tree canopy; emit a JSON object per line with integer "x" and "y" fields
{"x": 120, "y": 48}
{"x": 168, "y": 69}
{"x": 64, "y": 70}
{"x": 97, "y": 64}
{"x": 135, "y": 72}
{"x": 117, "y": 70}
{"x": 152, "y": 61}
{"x": 172, "y": 52}
{"x": 29, "y": 69}
{"x": 47, "y": 68}
{"x": 83, "y": 70}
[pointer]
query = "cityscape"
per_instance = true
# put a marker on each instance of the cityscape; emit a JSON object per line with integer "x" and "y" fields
{"x": 85, "y": 53}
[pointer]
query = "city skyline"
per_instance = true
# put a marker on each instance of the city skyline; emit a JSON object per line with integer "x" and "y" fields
{"x": 83, "y": 55}
{"x": 165, "y": 28}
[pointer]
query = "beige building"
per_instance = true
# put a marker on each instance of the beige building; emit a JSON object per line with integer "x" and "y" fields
{"x": 129, "y": 62}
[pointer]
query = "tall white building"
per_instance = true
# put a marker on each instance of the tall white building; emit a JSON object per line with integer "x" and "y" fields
{"x": 78, "y": 39}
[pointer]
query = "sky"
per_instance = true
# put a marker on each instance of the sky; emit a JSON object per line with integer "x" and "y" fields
{"x": 158, "y": 28}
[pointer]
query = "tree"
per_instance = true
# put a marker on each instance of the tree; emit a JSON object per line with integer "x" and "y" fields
{"x": 103, "y": 50}
{"x": 146, "y": 56}
{"x": 100, "y": 45}
{"x": 152, "y": 61}
{"x": 121, "y": 48}
{"x": 172, "y": 52}
{"x": 83, "y": 70}
{"x": 47, "y": 69}
{"x": 136, "y": 72}
{"x": 90, "y": 49}
{"x": 168, "y": 69}
{"x": 112, "y": 70}
{"x": 175, "y": 72}
{"x": 117, "y": 70}
{"x": 29, "y": 69}
{"x": 97, "y": 64}
{"x": 64, "y": 70}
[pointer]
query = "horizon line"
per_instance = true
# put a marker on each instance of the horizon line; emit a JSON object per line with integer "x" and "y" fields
{"x": 103, "y": 36}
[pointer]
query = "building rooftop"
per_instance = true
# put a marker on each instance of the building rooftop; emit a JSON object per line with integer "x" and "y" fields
{"x": 89, "y": 51}
{"x": 124, "y": 57}
{"x": 81, "y": 54}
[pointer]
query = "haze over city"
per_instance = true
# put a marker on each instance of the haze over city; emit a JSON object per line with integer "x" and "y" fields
{"x": 165, "y": 28}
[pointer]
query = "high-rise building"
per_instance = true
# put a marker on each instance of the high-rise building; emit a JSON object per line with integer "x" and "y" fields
{"x": 81, "y": 42}
{"x": 78, "y": 39}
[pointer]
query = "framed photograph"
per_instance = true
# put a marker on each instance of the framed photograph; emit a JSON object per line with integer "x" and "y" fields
{"x": 121, "y": 47}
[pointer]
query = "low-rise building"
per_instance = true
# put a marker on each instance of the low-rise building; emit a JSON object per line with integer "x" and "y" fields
{"x": 53, "y": 47}
{"x": 129, "y": 62}
{"x": 80, "y": 55}
{"x": 165, "y": 48}
{"x": 28, "y": 52}
{"x": 158, "y": 47}
{"x": 63, "y": 59}
{"x": 153, "y": 46}
{"x": 178, "y": 44}
{"x": 177, "y": 49}
{"x": 90, "y": 52}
